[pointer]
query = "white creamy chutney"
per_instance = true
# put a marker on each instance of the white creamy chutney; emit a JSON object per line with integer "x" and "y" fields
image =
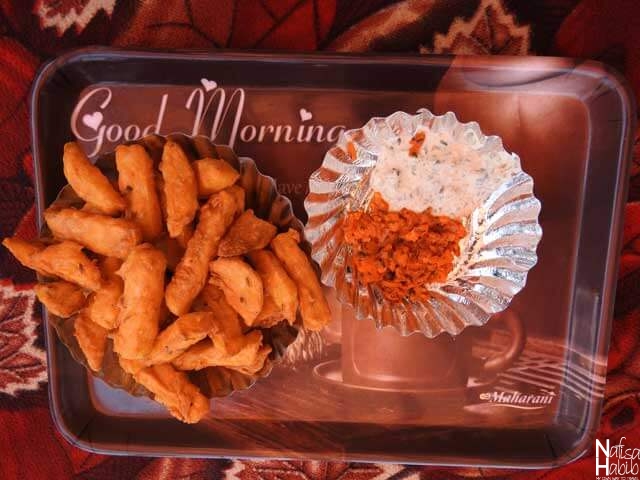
{"x": 451, "y": 176}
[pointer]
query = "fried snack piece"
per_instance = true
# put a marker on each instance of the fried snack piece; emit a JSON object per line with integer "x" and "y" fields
{"x": 110, "y": 266}
{"x": 314, "y": 308}
{"x": 61, "y": 298}
{"x": 278, "y": 286}
{"x": 67, "y": 261}
{"x": 64, "y": 260}
{"x": 92, "y": 339}
{"x": 185, "y": 331}
{"x": 239, "y": 195}
{"x": 89, "y": 182}
{"x": 241, "y": 285}
{"x": 214, "y": 175}
{"x": 136, "y": 182}
{"x": 139, "y": 316}
{"x": 185, "y": 236}
{"x": 104, "y": 305}
{"x": 270, "y": 314}
{"x": 111, "y": 237}
{"x": 89, "y": 208}
{"x": 131, "y": 366}
{"x": 180, "y": 188}
{"x": 172, "y": 389}
{"x": 227, "y": 333}
{"x": 24, "y": 251}
{"x": 207, "y": 354}
{"x": 246, "y": 234}
{"x": 191, "y": 273}
{"x": 258, "y": 362}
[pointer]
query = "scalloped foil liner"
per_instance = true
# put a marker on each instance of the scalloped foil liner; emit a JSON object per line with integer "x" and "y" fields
{"x": 263, "y": 197}
{"x": 496, "y": 255}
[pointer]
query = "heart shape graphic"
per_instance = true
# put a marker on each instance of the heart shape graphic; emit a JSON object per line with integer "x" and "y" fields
{"x": 208, "y": 84}
{"x": 305, "y": 114}
{"x": 93, "y": 120}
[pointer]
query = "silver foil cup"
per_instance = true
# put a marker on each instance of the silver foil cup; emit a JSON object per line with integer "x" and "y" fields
{"x": 500, "y": 247}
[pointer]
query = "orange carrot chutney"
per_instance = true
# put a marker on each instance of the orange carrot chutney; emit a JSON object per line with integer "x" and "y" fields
{"x": 402, "y": 252}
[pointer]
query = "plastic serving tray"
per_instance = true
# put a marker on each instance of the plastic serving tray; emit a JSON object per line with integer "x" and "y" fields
{"x": 353, "y": 393}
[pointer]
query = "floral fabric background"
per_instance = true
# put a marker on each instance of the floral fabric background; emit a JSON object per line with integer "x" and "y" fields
{"x": 33, "y": 31}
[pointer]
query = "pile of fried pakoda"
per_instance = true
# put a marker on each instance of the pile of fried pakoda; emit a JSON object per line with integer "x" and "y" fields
{"x": 168, "y": 264}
